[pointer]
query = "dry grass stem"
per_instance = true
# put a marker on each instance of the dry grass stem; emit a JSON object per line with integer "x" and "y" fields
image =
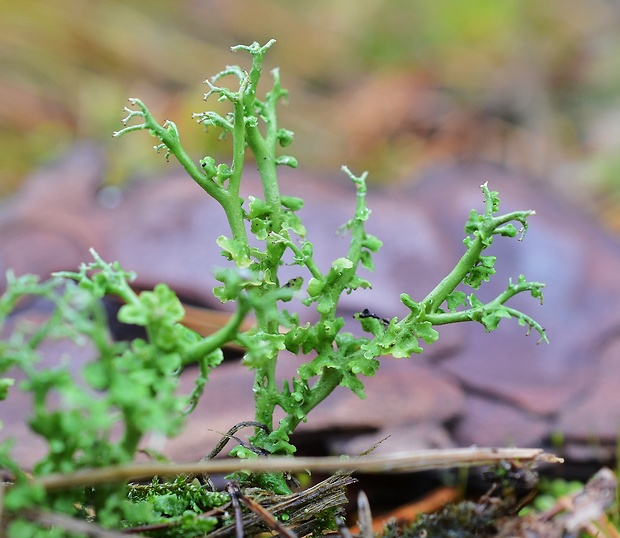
{"x": 421, "y": 460}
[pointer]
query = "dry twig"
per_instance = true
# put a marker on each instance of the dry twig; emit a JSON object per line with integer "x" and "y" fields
{"x": 422, "y": 460}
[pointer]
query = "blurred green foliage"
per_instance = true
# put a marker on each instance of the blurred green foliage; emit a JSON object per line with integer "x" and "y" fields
{"x": 522, "y": 82}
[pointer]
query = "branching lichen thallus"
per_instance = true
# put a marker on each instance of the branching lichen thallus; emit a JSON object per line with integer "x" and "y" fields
{"x": 335, "y": 357}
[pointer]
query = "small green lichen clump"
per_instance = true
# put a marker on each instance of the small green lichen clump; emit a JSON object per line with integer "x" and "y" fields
{"x": 135, "y": 384}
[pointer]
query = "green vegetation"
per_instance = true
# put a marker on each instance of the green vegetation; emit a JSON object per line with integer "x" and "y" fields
{"x": 134, "y": 384}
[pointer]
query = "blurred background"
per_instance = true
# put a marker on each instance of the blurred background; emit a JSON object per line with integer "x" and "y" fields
{"x": 388, "y": 86}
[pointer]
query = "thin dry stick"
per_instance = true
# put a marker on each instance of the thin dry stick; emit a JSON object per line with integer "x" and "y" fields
{"x": 421, "y": 460}
{"x": 238, "y": 515}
